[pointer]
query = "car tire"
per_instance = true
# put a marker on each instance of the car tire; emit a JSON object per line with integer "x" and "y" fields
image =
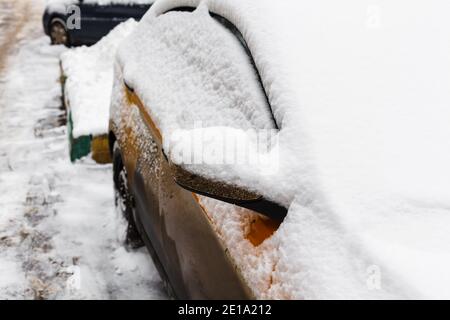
{"x": 124, "y": 201}
{"x": 58, "y": 32}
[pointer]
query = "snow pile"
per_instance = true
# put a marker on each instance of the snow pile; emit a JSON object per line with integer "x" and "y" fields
{"x": 89, "y": 72}
{"x": 360, "y": 91}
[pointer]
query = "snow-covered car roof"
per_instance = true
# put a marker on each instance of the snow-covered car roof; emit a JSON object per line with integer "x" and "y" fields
{"x": 360, "y": 91}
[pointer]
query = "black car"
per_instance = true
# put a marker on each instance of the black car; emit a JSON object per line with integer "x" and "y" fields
{"x": 96, "y": 19}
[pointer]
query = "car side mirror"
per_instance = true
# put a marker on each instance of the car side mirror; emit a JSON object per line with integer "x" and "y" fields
{"x": 225, "y": 192}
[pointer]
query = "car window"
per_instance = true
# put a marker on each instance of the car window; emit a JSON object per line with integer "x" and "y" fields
{"x": 235, "y": 31}
{"x": 197, "y": 70}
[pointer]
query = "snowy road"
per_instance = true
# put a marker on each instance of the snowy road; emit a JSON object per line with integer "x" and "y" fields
{"x": 59, "y": 232}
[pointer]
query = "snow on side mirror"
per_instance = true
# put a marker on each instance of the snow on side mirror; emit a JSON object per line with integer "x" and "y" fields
{"x": 225, "y": 192}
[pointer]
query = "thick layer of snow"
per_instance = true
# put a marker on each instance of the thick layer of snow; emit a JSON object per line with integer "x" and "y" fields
{"x": 89, "y": 72}
{"x": 60, "y": 237}
{"x": 169, "y": 60}
{"x": 361, "y": 92}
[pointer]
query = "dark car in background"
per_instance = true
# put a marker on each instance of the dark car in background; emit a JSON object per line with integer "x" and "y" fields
{"x": 96, "y": 19}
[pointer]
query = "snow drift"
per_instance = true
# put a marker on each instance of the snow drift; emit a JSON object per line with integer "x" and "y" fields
{"x": 89, "y": 72}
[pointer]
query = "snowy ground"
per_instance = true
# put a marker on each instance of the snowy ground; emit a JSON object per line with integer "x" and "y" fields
{"x": 59, "y": 232}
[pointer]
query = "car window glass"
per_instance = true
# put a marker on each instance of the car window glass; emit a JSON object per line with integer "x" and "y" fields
{"x": 199, "y": 72}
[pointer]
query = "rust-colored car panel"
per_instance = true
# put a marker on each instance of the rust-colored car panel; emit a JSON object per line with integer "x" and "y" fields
{"x": 175, "y": 226}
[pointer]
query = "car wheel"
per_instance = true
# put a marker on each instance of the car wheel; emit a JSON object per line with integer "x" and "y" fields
{"x": 124, "y": 201}
{"x": 58, "y": 33}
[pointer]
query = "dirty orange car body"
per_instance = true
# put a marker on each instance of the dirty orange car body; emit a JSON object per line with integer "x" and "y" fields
{"x": 164, "y": 209}
{"x": 173, "y": 224}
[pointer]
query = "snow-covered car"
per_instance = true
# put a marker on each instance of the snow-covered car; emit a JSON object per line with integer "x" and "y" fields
{"x": 162, "y": 211}
{"x": 84, "y": 22}
{"x": 354, "y": 98}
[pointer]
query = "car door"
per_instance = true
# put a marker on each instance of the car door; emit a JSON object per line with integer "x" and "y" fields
{"x": 182, "y": 235}
{"x": 175, "y": 227}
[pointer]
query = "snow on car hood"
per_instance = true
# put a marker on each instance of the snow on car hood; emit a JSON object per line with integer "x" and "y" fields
{"x": 361, "y": 94}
